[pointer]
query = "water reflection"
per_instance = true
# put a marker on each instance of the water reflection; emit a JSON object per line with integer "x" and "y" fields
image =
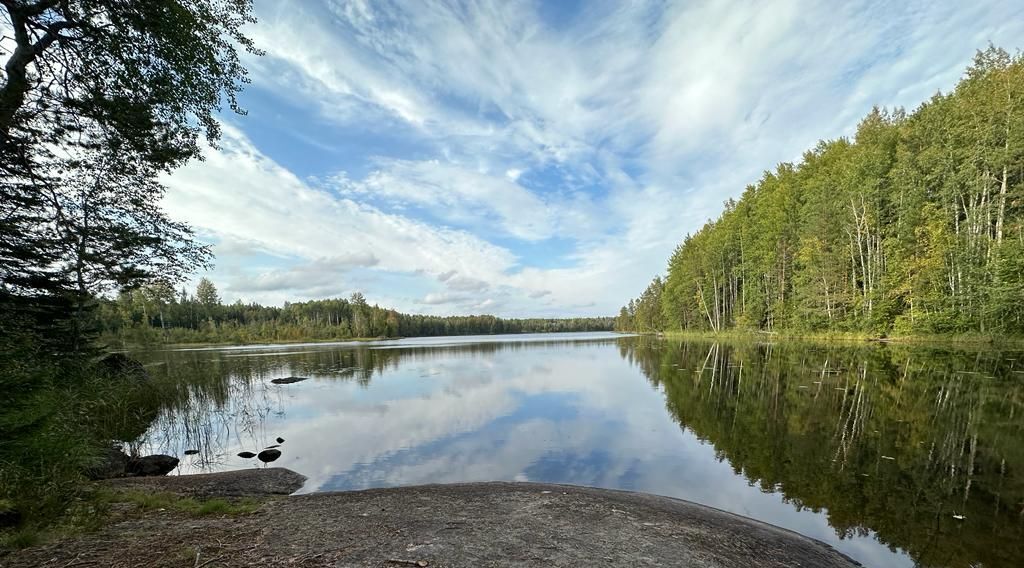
{"x": 871, "y": 448}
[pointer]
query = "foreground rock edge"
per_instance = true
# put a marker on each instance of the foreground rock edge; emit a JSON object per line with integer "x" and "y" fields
{"x": 466, "y": 524}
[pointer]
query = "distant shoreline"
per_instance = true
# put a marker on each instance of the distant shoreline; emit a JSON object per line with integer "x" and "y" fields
{"x": 114, "y": 342}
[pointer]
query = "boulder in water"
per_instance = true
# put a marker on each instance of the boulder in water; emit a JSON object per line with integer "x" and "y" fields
{"x": 158, "y": 464}
{"x": 112, "y": 463}
{"x": 288, "y": 380}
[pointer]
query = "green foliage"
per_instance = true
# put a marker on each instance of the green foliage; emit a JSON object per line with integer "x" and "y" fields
{"x": 98, "y": 99}
{"x": 21, "y": 538}
{"x": 58, "y": 418}
{"x": 912, "y": 227}
{"x": 152, "y": 74}
{"x": 61, "y": 411}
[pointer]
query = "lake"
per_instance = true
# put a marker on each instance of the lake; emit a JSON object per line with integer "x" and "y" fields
{"x": 896, "y": 455}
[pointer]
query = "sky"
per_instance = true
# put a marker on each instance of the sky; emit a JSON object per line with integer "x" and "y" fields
{"x": 535, "y": 159}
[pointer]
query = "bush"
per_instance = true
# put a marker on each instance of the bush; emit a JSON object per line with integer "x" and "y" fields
{"x": 59, "y": 417}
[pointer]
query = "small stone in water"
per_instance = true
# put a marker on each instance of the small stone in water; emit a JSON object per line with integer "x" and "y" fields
{"x": 288, "y": 380}
{"x": 267, "y": 456}
{"x": 191, "y": 452}
{"x": 280, "y": 440}
{"x": 246, "y": 455}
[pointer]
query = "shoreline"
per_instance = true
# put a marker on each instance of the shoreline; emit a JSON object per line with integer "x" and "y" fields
{"x": 947, "y": 341}
{"x": 128, "y": 347}
{"x": 959, "y": 340}
{"x": 466, "y": 524}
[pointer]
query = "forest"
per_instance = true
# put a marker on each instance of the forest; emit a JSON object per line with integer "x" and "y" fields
{"x": 912, "y": 226}
{"x": 156, "y": 313}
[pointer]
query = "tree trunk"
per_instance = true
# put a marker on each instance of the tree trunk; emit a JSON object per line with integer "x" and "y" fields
{"x": 1000, "y": 215}
{"x": 12, "y": 94}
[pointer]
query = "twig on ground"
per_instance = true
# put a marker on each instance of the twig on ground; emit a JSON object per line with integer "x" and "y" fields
{"x": 214, "y": 559}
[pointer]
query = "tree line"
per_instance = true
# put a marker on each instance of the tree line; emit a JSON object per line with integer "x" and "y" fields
{"x": 913, "y": 225}
{"x": 158, "y": 313}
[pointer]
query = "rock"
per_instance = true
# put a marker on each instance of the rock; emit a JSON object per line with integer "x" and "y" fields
{"x": 247, "y": 482}
{"x": 120, "y": 365}
{"x": 267, "y": 456}
{"x": 246, "y": 455}
{"x": 112, "y": 463}
{"x": 191, "y": 452}
{"x": 158, "y": 464}
{"x": 9, "y": 516}
{"x": 288, "y": 380}
{"x": 280, "y": 440}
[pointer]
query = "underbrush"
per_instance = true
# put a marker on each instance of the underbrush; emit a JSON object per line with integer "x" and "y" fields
{"x": 92, "y": 507}
{"x": 187, "y": 505}
{"x": 59, "y": 418}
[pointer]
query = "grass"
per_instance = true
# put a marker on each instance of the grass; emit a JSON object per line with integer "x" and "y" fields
{"x": 20, "y": 538}
{"x": 145, "y": 501}
{"x": 93, "y": 509}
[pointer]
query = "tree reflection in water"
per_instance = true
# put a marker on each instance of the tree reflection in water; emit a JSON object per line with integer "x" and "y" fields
{"x": 892, "y": 442}
{"x": 893, "y": 439}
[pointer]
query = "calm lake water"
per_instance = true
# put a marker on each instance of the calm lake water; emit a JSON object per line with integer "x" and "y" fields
{"x": 895, "y": 455}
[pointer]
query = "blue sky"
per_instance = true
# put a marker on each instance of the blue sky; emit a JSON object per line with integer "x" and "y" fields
{"x": 535, "y": 158}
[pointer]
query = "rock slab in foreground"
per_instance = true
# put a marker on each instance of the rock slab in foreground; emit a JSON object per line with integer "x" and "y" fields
{"x": 479, "y": 524}
{"x": 242, "y": 483}
{"x": 528, "y": 524}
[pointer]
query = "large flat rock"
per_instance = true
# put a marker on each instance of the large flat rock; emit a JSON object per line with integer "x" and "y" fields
{"x": 529, "y": 524}
{"x": 470, "y": 525}
{"x": 242, "y": 483}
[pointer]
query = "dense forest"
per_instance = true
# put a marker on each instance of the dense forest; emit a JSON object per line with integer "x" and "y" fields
{"x": 157, "y": 313}
{"x": 913, "y": 226}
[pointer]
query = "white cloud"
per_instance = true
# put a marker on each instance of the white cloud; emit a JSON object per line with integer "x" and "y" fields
{"x": 322, "y": 272}
{"x": 241, "y": 195}
{"x": 466, "y": 284}
{"x": 438, "y": 298}
{"x": 459, "y": 195}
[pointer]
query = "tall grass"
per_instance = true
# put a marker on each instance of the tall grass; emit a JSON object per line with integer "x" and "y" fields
{"x": 58, "y": 419}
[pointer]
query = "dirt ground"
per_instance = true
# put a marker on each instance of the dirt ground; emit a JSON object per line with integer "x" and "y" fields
{"x": 477, "y": 524}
